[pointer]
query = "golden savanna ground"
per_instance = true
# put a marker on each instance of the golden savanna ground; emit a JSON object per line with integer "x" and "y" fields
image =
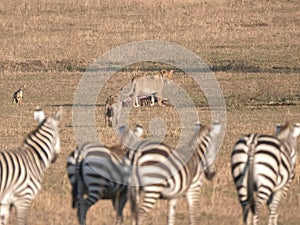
{"x": 253, "y": 47}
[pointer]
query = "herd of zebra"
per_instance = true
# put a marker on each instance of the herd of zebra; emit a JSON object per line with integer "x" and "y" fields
{"x": 262, "y": 167}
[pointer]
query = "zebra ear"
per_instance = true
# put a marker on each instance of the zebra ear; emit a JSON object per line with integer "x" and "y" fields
{"x": 138, "y": 131}
{"x": 197, "y": 126}
{"x": 216, "y": 128}
{"x": 278, "y": 128}
{"x": 122, "y": 130}
{"x": 296, "y": 131}
{"x": 39, "y": 114}
{"x": 58, "y": 114}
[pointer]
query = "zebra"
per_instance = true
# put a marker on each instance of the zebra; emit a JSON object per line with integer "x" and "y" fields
{"x": 97, "y": 172}
{"x": 264, "y": 165}
{"x": 162, "y": 173}
{"x": 22, "y": 169}
{"x": 18, "y": 95}
{"x": 147, "y": 100}
{"x": 113, "y": 106}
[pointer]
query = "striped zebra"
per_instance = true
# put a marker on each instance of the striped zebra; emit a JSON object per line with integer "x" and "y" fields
{"x": 113, "y": 106}
{"x": 262, "y": 168}
{"x": 97, "y": 172}
{"x": 22, "y": 169}
{"x": 162, "y": 173}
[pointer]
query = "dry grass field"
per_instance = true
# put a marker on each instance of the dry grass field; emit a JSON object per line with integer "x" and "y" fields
{"x": 252, "y": 46}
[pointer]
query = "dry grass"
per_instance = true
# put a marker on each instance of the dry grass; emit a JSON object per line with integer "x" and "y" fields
{"x": 253, "y": 46}
{"x": 68, "y": 35}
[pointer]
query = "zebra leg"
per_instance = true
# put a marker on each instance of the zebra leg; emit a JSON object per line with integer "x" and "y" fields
{"x": 243, "y": 199}
{"x": 22, "y": 209}
{"x": 256, "y": 212}
{"x": 172, "y": 209}
{"x": 261, "y": 200}
{"x": 148, "y": 203}
{"x": 106, "y": 120}
{"x": 135, "y": 101}
{"x": 273, "y": 204}
{"x": 110, "y": 120}
{"x": 4, "y": 213}
{"x": 159, "y": 100}
{"x": 86, "y": 203}
{"x": 192, "y": 196}
{"x": 119, "y": 203}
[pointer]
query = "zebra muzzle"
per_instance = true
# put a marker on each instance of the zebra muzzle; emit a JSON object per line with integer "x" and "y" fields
{"x": 210, "y": 172}
{"x": 54, "y": 159}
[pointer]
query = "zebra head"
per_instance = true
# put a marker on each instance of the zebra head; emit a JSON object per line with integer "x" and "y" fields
{"x": 207, "y": 147}
{"x": 51, "y": 125}
{"x": 289, "y": 136}
{"x": 56, "y": 119}
{"x": 130, "y": 139}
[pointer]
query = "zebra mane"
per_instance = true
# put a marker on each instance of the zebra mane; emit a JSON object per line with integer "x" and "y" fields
{"x": 197, "y": 137}
{"x": 34, "y": 131}
{"x": 204, "y": 129}
{"x": 117, "y": 150}
{"x": 42, "y": 123}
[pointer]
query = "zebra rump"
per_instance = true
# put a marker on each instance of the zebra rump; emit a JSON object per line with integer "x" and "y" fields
{"x": 264, "y": 164}
{"x": 97, "y": 172}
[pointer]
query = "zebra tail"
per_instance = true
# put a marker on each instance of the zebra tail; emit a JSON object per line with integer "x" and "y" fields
{"x": 131, "y": 89}
{"x": 75, "y": 202}
{"x": 250, "y": 180}
{"x": 74, "y": 194}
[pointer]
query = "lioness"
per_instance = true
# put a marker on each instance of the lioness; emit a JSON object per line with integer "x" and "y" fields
{"x": 149, "y": 85}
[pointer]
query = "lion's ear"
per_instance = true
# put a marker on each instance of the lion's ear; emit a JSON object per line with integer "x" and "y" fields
{"x": 163, "y": 71}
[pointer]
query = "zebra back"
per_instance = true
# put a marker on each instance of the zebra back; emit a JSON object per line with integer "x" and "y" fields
{"x": 162, "y": 172}
{"x": 90, "y": 161}
{"x": 198, "y": 155}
